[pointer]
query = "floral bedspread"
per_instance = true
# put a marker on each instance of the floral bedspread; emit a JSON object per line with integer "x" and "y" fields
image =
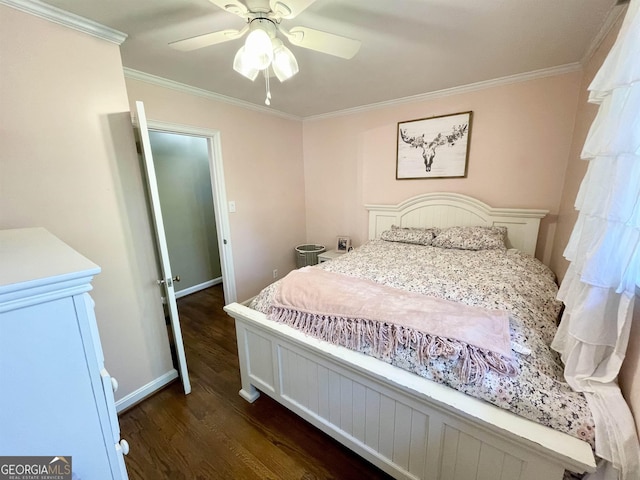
{"x": 498, "y": 279}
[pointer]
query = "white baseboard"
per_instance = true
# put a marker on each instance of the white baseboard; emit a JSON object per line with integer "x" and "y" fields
{"x": 197, "y": 288}
{"x": 143, "y": 392}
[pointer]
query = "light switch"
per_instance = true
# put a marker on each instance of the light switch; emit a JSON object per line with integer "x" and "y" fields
{"x": 232, "y": 206}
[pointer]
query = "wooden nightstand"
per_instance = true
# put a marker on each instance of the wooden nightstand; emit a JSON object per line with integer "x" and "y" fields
{"x": 330, "y": 255}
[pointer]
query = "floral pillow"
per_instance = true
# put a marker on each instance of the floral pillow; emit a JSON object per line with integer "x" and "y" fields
{"x": 471, "y": 238}
{"x": 417, "y": 236}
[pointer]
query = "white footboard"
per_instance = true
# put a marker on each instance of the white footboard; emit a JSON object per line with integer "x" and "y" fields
{"x": 406, "y": 425}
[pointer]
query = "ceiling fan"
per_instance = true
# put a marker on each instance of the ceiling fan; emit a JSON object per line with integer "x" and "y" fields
{"x": 263, "y": 49}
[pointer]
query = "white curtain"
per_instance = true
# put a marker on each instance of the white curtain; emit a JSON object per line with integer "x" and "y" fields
{"x": 604, "y": 250}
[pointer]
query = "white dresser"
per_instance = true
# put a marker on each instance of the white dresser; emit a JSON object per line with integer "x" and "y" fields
{"x": 56, "y": 398}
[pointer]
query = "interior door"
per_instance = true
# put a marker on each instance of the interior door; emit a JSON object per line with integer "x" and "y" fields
{"x": 167, "y": 278}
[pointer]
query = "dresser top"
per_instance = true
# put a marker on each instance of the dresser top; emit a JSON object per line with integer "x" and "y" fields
{"x": 33, "y": 256}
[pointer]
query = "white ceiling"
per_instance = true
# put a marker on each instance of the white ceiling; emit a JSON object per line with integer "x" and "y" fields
{"x": 409, "y": 47}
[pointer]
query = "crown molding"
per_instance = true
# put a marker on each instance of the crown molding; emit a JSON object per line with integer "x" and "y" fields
{"x": 521, "y": 77}
{"x": 76, "y": 22}
{"x": 200, "y": 92}
{"x": 612, "y": 17}
{"x": 472, "y": 87}
{"x": 67, "y": 19}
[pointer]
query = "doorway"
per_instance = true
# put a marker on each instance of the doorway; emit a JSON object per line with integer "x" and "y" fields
{"x": 183, "y": 175}
{"x": 168, "y": 280}
{"x": 219, "y": 196}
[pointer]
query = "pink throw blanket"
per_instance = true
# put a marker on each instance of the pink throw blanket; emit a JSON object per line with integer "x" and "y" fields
{"x": 349, "y": 311}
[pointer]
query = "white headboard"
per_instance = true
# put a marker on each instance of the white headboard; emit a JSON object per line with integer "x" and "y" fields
{"x": 453, "y": 209}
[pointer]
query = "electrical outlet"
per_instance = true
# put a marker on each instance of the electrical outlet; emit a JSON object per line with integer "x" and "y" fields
{"x": 275, "y": 273}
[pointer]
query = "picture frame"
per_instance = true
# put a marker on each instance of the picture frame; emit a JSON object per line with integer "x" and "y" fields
{"x": 343, "y": 244}
{"x": 434, "y": 147}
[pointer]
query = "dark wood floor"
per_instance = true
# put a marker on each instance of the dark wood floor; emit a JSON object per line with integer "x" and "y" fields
{"x": 213, "y": 433}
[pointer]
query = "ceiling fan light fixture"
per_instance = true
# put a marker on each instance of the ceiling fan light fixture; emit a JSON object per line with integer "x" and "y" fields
{"x": 258, "y": 46}
{"x": 262, "y": 49}
{"x": 284, "y": 63}
{"x": 244, "y": 66}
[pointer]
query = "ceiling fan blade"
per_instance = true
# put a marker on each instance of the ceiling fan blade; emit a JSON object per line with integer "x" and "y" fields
{"x": 290, "y": 8}
{"x": 324, "y": 42}
{"x": 232, "y": 6}
{"x": 207, "y": 39}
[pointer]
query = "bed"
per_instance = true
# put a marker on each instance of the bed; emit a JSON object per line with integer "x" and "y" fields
{"x": 407, "y": 425}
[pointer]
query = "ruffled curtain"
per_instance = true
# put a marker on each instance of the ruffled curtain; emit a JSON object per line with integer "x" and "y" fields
{"x": 604, "y": 250}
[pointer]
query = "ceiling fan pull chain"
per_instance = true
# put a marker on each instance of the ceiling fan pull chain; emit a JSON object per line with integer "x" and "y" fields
{"x": 267, "y": 100}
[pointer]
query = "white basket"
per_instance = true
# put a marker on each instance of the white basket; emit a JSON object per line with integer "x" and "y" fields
{"x": 307, "y": 254}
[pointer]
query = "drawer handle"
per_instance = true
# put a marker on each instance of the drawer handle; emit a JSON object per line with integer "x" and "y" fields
{"x": 125, "y": 446}
{"x": 114, "y": 384}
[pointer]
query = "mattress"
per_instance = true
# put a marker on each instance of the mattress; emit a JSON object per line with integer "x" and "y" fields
{"x": 495, "y": 279}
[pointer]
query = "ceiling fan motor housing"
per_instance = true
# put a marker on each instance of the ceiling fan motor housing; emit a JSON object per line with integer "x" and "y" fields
{"x": 265, "y": 24}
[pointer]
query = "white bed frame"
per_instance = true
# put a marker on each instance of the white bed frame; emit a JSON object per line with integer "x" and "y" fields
{"x": 408, "y": 426}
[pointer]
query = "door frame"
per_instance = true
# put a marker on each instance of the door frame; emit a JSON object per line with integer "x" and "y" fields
{"x": 218, "y": 188}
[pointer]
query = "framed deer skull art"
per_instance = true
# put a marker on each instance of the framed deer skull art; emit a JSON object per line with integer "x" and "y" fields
{"x": 435, "y": 147}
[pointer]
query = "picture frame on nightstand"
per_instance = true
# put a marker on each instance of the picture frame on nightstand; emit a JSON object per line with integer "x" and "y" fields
{"x": 343, "y": 244}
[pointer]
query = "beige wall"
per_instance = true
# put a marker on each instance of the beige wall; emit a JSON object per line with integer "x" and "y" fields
{"x": 262, "y": 158}
{"x": 68, "y": 163}
{"x": 520, "y": 141}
